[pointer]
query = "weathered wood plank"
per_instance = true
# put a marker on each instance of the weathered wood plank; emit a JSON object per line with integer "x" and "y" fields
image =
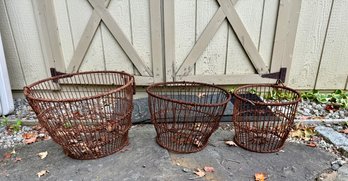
{"x": 284, "y": 41}
{"x": 156, "y": 40}
{"x": 49, "y": 36}
{"x": 310, "y": 36}
{"x": 169, "y": 39}
{"x": 115, "y": 57}
{"x": 243, "y": 36}
{"x": 213, "y": 58}
{"x": 85, "y": 24}
{"x": 268, "y": 24}
{"x": 185, "y": 28}
{"x": 334, "y": 61}
{"x": 26, "y": 37}
{"x": 202, "y": 43}
{"x": 121, "y": 38}
{"x": 250, "y": 13}
{"x": 17, "y": 78}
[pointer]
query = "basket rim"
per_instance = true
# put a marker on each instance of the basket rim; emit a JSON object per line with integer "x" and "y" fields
{"x": 27, "y": 88}
{"x": 228, "y": 95}
{"x": 235, "y": 93}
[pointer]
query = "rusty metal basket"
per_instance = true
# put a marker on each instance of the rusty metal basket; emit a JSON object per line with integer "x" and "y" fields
{"x": 263, "y": 116}
{"x": 87, "y": 113}
{"x": 185, "y": 114}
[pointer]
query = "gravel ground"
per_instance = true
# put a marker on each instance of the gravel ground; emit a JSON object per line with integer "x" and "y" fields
{"x": 308, "y": 109}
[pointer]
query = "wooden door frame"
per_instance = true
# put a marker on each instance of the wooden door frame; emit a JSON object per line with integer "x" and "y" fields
{"x": 286, "y": 26}
{"x": 53, "y": 53}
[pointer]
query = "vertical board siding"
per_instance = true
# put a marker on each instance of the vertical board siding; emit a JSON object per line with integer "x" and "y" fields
{"x": 250, "y": 12}
{"x": 212, "y": 60}
{"x": 140, "y": 19}
{"x": 17, "y": 78}
{"x": 185, "y": 26}
{"x": 309, "y": 43}
{"x": 320, "y": 57}
{"x": 26, "y": 38}
{"x": 267, "y": 32}
{"x": 333, "y": 70}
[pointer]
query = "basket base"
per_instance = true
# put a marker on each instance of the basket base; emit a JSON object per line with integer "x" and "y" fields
{"x": 104, "y": 150}
{"x": 183, "y": 141}
{"x": 259, "y": 143}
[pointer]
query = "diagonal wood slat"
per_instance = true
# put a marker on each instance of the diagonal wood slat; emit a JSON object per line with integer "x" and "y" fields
{"x": 243, "y": 36}
{"x": 120, "y": 37}
{"x": 85, "y": 40}
{"x": 202, "y": 42}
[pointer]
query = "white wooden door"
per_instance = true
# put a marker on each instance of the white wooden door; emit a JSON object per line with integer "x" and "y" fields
{"x": 228, "y": 41}
{"x": 122, "y": 35}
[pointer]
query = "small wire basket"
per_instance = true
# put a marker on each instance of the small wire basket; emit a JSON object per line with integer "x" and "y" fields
{"x": 263, "y": 116}
{"x": 185, "y": 114}
{"x": 87, "y": 113}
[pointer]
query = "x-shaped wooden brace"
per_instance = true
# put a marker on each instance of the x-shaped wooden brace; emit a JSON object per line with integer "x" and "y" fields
{"x": 226, "y": 9}
{"x": 101, "y": 13}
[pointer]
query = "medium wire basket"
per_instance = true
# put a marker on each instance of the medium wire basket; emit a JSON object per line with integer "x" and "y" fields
{"x": 263, "y": 116}
{"x": 185, "y": 114}
{"x": 87, "y": 113}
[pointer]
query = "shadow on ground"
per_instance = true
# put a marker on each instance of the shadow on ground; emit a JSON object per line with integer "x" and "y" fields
{"x": 143, "y": 159}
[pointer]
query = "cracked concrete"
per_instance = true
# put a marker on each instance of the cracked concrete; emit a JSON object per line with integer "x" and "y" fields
{"x": 143, "y": 159}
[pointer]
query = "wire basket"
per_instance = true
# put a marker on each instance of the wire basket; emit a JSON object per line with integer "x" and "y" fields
{"x": 87, "y": 113}
{"x": 185, "y": 114}
{"x": 263, "y": 116}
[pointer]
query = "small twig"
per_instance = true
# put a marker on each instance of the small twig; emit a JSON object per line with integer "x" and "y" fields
{"x": 232, "y": 161}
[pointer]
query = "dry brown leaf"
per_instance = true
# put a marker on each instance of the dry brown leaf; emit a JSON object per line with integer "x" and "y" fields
{"x": 30, "y": 140}
{"x": 42, "y": 155}
{"x": 28, "y": 135}
{"x": 260, "y": 176}
{"x": 7, "y": 155}
{"x": 209, "y": 169}
{"x": 345, "y": 131}
{"x": 18, "y": 159}
{"x": 230, "y": 143}
{"x": 312, "y": 144}
{"x": 199, "y": 172}
{"x": 42, "y": 173}
{"x": 297, "y": 134}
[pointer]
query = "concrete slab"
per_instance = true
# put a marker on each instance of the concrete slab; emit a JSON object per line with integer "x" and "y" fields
{"x": 143, "y": 159}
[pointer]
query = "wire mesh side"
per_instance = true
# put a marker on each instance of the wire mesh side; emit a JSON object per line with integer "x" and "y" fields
{"x": 263, "y": 116}
{"x": 88, "y": 114}
{"x": 185, "y": 114}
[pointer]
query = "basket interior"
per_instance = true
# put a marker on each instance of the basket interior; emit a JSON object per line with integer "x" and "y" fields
{"x": 190, "y": 93}
{"x": 79, "y": 85}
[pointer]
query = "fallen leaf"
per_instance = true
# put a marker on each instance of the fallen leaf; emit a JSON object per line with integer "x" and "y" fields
{"x": 42, "y": 173}
{"x": 13, "y": 152}
{"x": 28, "y": 135}
{"x": 18, "y": 159}
{"x": 199, "y": 172}
{"x": 42, "y": 155}
{"x": 230, "y": 143}
{"x": 312, "y": 144}
{"x": 297, "y": 134}
{"x": 260, "y": 176}
{"x": 201, "y": 95}
{"x": 209, "y": 169}
{"x": 7, "y": 155}
{"x": 345, "y": 131}
{"x": 30, "y": 140}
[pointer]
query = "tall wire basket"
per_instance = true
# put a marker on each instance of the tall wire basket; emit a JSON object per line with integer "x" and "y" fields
{"x": 87, "y": 113}
{"x": 185, "y": 114}
{"x": 263, "y": 116}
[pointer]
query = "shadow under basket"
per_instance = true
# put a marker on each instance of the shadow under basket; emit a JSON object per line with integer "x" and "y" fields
{"x": 87, "y": 113}
{"x": 263, "y": 116}
{"x": 185, "y": 114}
